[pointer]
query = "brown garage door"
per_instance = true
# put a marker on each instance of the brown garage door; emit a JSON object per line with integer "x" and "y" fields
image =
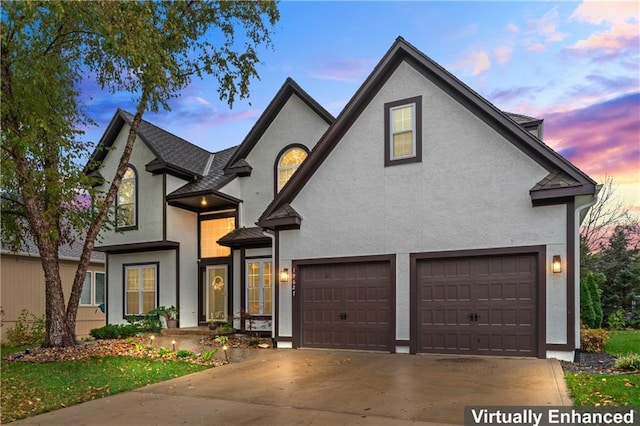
{"x": 346, "y": 305}
{"x": 478, "y": 305}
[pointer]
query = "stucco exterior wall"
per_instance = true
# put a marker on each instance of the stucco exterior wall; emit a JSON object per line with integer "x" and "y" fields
{"x": 149, "y": 193}
{"x": 470, "y": 191}
{"x": 166, "y": 280}
{"x": 23, "y": 288}
{"x": 296, "y": 123}
{"x": 182, "y": 226}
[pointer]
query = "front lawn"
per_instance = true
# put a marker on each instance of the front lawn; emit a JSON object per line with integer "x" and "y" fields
{"x": 604, "y": 389}
{"x": 597, "y": 389}
{"x": 623, "y": 342}
{"x": 29, "y": 388}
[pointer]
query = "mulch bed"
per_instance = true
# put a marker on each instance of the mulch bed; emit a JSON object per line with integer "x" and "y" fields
{"x": 592, "y": 363}
{"x": 136, "y": 347}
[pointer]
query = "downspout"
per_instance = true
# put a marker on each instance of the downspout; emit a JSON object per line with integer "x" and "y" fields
{"x": 576, "y": 261}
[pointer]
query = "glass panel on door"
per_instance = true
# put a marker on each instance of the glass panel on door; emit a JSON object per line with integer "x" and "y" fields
{"x": 216, "y": 297}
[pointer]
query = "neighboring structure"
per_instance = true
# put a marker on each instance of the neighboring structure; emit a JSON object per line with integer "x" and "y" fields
{"x": 22, "y": 281}
{"x": 421, "y": 219}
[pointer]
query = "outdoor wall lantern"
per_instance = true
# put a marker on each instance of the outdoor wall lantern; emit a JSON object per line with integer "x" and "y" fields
{"x": 556, "y": 264}
{"x": 284, "y": 276}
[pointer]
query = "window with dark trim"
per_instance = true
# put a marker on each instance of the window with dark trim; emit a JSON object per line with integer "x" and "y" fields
{"x": 259, "y": 287}
{"x": 288, "y": 161}
{"x": 403, "y": 131}
{"x": 140, "y": 288}
{"x": 127, "y": 200}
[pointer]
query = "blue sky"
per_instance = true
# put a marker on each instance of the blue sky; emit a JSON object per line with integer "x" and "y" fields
{"x": 575, "y": 64}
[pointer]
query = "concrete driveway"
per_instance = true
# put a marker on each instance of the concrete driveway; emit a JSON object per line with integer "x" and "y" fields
{"x": 318, "y": 387}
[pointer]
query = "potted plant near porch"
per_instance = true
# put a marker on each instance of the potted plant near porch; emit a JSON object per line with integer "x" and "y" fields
{"x": 170, "y": 315}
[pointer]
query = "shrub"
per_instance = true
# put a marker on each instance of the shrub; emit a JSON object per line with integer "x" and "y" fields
{"x": 185, "y": 353}
{"x": 208, "y": 355}
{"x": 165, "y": 352}
{"x": 221, "y": 340}
{"x": 29, "y": 330}
{"x": 147, "y": 323}
{"x": 587, "y": 312}
{"x": 593, "y": 284}
{"x": 630, "y": 362}
{"x": 593, "y": 339}
{"x": 617, "y": 320}
{"x": 114, "y": 331}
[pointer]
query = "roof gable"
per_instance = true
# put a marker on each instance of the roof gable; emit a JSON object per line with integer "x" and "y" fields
{"x": 288, "y": 89}
{"x": 173, "y": 154}
{"x": 401, "y": 51}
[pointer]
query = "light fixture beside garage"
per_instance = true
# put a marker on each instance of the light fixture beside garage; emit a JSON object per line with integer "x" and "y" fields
{"x": 284, "y": 276}
{"x": 556, "y": 264}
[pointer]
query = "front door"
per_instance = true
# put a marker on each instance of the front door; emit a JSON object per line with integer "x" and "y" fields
{"x": 215, "y": 300}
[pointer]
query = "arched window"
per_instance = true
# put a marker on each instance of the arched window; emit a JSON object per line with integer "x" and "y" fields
{"x": 127, "y": 199}
{"x": 288, "y": 163}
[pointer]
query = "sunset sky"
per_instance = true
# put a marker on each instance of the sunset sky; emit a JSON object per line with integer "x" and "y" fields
{"x": 574, "y": 64}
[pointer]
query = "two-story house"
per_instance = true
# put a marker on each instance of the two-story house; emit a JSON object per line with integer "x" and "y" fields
{"x": 421, "y": 219}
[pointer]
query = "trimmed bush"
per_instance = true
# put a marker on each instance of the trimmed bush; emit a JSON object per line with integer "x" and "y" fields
{"x": 617, "y": 320}
{"x": 593, "y": 284}
{"x": 629, "y": 362}
{"x": 593, "y": 339}
{"x": 587, "y": 312}
{"x": 114, "y": 331}
{"x": 29, "y": 330}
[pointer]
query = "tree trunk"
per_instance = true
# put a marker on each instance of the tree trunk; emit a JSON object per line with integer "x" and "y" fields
{"x": 58, "y": 333}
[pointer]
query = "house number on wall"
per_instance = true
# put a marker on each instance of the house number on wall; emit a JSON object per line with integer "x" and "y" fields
{"x": 293, "y": 281}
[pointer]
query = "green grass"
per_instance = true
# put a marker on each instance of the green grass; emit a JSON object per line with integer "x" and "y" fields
{"x": 604, "y": 389}
{"x": 623, "y": 342}
{"x": 609, "y": 389}
{"x": 32, "y": 388}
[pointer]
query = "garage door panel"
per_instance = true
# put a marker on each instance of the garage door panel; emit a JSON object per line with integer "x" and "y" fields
{"x": 356, "y": 306}
{"x": 490, "y": 307}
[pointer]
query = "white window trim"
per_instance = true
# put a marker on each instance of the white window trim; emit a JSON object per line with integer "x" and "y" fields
{"x": 262, "y": 287}
{"x": 92, "y": 288}
{"x": 140, "y": 301}
{"x": 413, "y": 131}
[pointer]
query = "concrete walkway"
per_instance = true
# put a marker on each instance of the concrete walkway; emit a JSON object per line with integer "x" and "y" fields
{"x": 318, "y": 387}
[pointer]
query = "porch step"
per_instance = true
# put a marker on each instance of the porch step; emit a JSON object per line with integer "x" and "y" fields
{"x": 187, "y": 331}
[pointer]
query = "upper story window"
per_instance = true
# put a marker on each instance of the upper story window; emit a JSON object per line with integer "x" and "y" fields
{"x": 403, "y": 131}
{"x": 211, "y": 230}
{"x": 288, "y": 163}
{"x": 126, "y": 212}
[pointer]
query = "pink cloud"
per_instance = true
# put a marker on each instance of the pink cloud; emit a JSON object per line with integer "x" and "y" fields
{"x": 621, "y": 32}
{"x": 540, "y": 32}
{"x": 536, "y": 47}
{"x": 512, "y": 28}
{"x": 502, "y": 54}
{"x": 350, "y": 70}
{"x": 600, "y": 139}
{"x": 474, "y": 63}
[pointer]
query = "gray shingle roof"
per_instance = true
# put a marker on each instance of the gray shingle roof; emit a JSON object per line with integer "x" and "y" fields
{"x": 554, "y": 180}
{"x": 68, "y": 251}
{"x": 244, "y": 236}
{"x": 215, "y": 176}
{"x": 171, "y": 149}
{"x": 522, "y": 119}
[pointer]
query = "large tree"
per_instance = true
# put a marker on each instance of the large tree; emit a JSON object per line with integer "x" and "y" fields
{"x": 151, "y": 50}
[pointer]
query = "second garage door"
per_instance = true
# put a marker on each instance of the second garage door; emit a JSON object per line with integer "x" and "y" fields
{"x": 478, "y": 305}
{"x": 346, "y": 305}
